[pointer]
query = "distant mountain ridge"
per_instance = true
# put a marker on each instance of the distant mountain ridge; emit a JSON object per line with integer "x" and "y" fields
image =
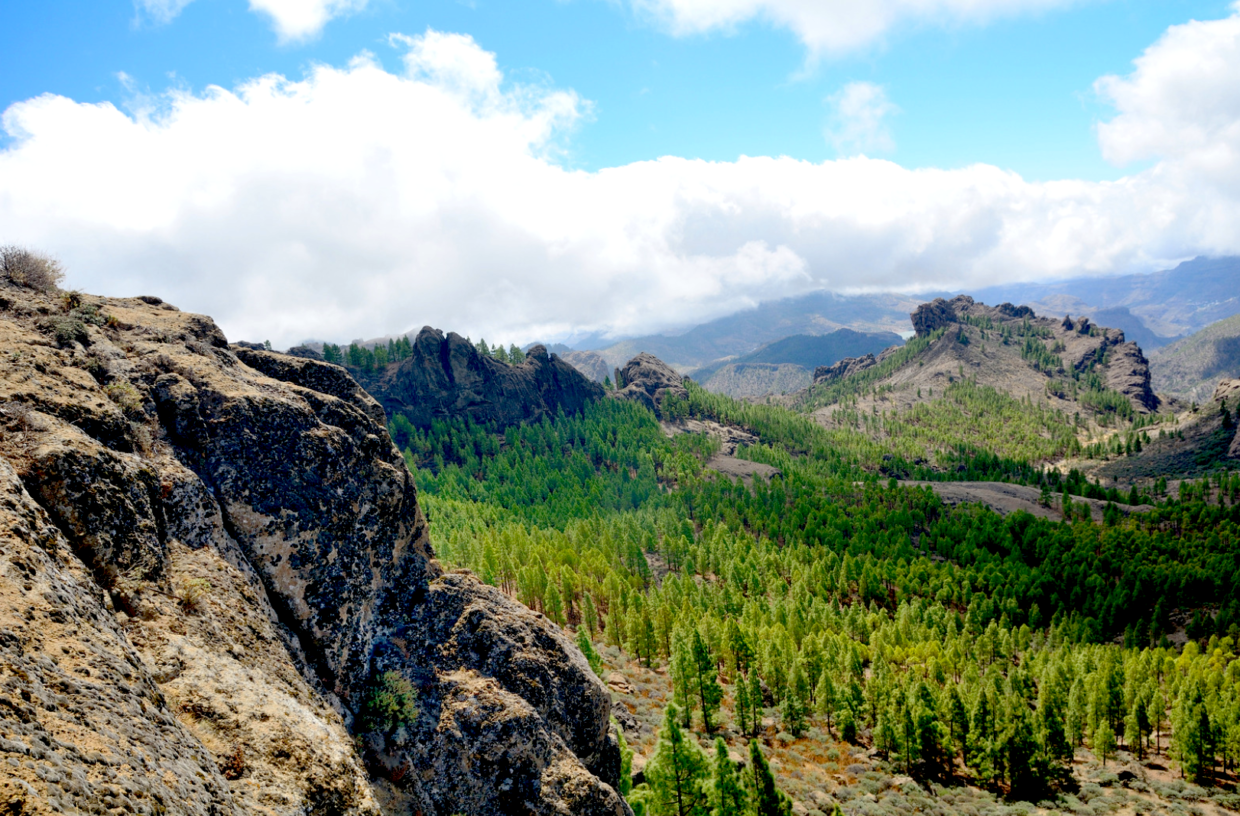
{"x": 786, "y": 365}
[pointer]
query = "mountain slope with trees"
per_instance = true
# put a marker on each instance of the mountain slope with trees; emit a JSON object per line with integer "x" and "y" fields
{"x": 1191, "y": 368}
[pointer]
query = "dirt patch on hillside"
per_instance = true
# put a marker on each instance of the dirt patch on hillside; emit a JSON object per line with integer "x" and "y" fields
{"x": 1006, "y": 498}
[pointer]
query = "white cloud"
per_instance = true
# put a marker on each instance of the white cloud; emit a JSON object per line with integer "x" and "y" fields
{"x": 161, "y": 11}
{"x": 358, "y": 201}
{"x": 857, "y": 120}
{"x": 832, "y": 26}
{"x": 293, "y": 20}
{"x": 302, "y": 19}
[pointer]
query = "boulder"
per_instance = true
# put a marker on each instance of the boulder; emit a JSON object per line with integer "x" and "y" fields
{"x": 938, "y": 313}
{"x": 649, "y": 381}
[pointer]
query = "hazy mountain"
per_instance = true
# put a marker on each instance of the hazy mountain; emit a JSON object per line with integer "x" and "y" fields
{"x": 1170, "y": 303}
{"x": 788, "y": 365}
{"x": 730, "y": 338}
{"x": 1191, "y": 368}
{"x": 745, "y": 380}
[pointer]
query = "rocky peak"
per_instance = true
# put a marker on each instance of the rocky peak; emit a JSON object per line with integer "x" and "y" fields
{"x": 648, "y": 380}
{"x": 446, "y": 376}
{"x": 209, "y": 558}
{"x": 938, "y": 313}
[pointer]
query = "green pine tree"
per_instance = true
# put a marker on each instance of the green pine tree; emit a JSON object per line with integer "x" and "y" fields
{"x": 768, "y": 800}
{"x": 728, "y": 796}
{"x": 678, "y": 772}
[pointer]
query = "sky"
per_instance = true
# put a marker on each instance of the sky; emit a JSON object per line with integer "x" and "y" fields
{"x": 556, "y": 168}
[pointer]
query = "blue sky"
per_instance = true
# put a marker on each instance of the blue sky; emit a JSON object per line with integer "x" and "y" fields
{"x": 1016, "y": 92}
{"x": 572, "y": 100}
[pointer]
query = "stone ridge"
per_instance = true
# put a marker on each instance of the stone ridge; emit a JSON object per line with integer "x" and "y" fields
{"x": 207, "y": 557}
{"x": 446, "y": 377}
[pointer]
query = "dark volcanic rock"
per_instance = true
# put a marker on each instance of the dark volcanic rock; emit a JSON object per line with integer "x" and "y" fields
{"x": 448, "y": 377}
{"x": 845, "y": 367}
{"x": 214, "y": 581}
{"x": 304, "y": 351}
{"x": 649, "y": 381}
{"x": 936, "y": 314}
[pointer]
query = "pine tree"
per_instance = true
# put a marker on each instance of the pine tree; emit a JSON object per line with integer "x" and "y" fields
{"x": 705, "y": 681}
{"x": 1103, "y": 741}
{"x": 677, "y": 772}
{"x": 741, "y": 705}
{"x": 591, "y": 654}
{"x": 825, "y": 698}
{"x": 728, "y": 796}
{"x": 767, "y": 799}
{"x": 626, "y": 763}
{"x": 589, "y": 614}
{"x": 756, "y": 702}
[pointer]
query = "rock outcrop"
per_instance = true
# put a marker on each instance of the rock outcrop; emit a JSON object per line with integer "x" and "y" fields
{"x": 212, "y": 557}
{"x": 649, "y": 381}
{"x": 448, "y": 377}
{"x": 844, "y": 368}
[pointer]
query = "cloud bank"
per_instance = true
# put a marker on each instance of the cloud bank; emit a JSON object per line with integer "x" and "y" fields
{"x": 358, "y": 201}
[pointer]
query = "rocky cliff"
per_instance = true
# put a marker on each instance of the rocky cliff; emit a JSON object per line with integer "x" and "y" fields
{"x": 217, "y": 594}
{"x": 446, "y": 376}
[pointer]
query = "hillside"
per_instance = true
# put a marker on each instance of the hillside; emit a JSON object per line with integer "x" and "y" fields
{"x": 1072, "y": 369}
{"x": 750, "y": 380}
{"x": 878, "y": 648}
{"x": 1190, "y": 369}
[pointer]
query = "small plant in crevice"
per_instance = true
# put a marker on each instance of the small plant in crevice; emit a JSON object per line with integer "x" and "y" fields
{"x": 390, "y": 703}
{"x": 126, "y": 397}
{"x": 191, "y": 594}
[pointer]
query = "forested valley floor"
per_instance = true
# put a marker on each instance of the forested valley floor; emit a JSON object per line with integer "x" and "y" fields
{"x": 833, "y": 639}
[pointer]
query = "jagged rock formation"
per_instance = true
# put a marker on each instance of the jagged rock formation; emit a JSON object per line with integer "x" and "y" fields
{"x": 448, "y": 377}
{"x": 208, "y": 557}
{"x": 844, "y": 368}
{"x": 590, "y": 363}
{"x": 648, "y": 380}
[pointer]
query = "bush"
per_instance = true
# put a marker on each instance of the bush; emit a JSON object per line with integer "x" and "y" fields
{"x": 389, "y": 704}
{"x": 192, "y": 592}
{"x": 126, "y": 397}
{"x": 68, "y": 330}
{"x": 33, "y": 270}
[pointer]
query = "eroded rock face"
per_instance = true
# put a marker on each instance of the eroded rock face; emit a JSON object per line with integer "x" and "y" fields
{"x": 1128, "y": 372}
{"x": 649, "y": 381}
{"x": 208, "y": 556}
{"x": 448, "y": 377}
{"x": 845, "y": 367}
